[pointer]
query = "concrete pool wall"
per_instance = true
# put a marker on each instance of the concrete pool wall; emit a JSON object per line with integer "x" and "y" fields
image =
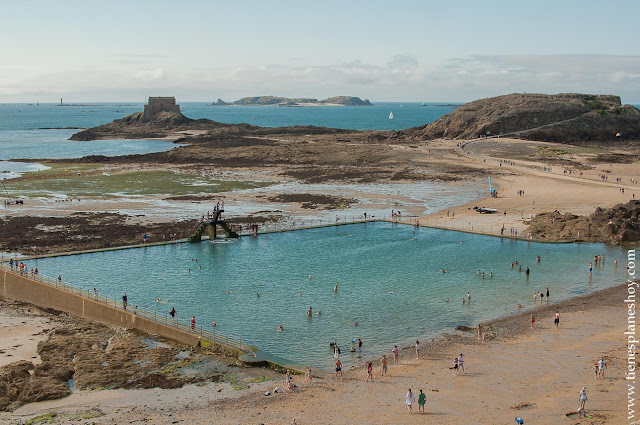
{"x": 49, "y": 294}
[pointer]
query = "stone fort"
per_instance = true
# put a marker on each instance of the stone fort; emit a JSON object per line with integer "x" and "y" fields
{"x": 158, "y": 104}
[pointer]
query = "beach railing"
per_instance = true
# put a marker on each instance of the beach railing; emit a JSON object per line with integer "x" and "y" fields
{"x": 177, "y": 323}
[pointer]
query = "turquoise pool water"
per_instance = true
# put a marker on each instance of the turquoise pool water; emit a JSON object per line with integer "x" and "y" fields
{"x": 389, "y": 277}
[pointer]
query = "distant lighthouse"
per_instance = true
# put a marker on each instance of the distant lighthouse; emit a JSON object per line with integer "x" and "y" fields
{"x": 60, "y": 101}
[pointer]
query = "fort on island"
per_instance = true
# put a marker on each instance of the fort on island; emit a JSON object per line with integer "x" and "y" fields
{"x": 158, "y": 104}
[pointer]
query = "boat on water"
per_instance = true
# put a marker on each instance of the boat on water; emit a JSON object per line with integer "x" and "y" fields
{"x": 423, "y": 104}
{"x": 391, "y": 115}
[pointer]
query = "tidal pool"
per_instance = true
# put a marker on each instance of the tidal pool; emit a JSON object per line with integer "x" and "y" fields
{"x": 389, "y": 282}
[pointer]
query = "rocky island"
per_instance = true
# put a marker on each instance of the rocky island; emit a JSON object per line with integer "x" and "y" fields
{"x": 564, "y": 118}
{"x": 303, "y": 101}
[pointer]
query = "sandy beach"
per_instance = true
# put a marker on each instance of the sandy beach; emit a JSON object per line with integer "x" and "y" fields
{"x": 535, "y": 374}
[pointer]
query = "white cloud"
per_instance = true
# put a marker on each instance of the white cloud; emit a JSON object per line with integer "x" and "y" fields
{"x": 401, "y": 78}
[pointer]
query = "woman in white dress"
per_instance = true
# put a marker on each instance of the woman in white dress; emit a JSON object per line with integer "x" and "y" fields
{"x": 409, "y": 399}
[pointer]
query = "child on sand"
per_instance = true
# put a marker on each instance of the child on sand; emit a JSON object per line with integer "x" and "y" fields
{"x": 583, "y": 400}
{"x": 338, "y": 368}
{"x": 370, "y": 372}
{"x": 533, "y": 320}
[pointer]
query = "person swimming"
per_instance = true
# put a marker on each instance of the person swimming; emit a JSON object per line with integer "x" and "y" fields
{"x": 310, "y": 277}
{"x": 335, "y": 288}
{"x": 446, "y": 300}
{"x": 280, "y": 328}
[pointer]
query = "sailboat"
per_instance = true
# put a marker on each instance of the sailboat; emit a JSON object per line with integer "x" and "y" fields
{"x": 391, "y": 115}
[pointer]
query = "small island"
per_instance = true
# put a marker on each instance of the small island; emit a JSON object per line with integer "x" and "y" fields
{"x": 294, "y": 102}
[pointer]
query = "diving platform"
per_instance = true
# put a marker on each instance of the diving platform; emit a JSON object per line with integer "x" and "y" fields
{"x": 211, "y": 225}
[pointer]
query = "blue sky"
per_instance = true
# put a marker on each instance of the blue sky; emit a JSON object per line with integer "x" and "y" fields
{"x": 381, "y": 50}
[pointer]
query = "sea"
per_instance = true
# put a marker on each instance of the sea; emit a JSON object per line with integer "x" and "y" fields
{"x": 41, "y": 131}
{"x": 391, "y": 288}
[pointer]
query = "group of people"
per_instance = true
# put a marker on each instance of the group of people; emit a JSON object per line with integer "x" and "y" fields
{"x": 540, "y": 296}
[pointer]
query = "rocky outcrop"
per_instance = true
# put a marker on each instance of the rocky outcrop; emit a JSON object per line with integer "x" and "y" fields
{"x": 272, "y": 100}
{"x": 22, "y": 382}
{"x": 565, "y": 118}
{"x": 616, "y": 225}
{"x": 347, "y": 101}
{"x": 159, "y": 125}
{"x": 285, "y": 101}
{"x": 219, "y": 102}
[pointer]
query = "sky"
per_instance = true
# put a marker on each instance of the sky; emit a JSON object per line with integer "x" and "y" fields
{"x": 396, "y": 50}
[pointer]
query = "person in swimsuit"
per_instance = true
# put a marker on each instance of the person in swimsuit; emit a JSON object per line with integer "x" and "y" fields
{"x": 533, "y": 320}
{"x": 338, "y": 368}
{"x": 547, "y": 294}
{"x": 395, "y": 352}
{"x": 359, "y": 345}
{"x": 422, "y": 398}
{"x": 556, "y": 319}
{"x": 455, "y": 366}
{"x": 383, "y": 363}
{"x": 370, "y": 371}
{"x": 417, "y": 350}
{"x": 409, "y": 399}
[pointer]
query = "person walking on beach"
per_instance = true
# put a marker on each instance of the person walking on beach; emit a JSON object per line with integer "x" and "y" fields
{"x": 422, "y": 398}
{"x": 395, "y": 353}
{"x": 193, "y": 323}
{"x": 417, "y": 350}
{"x": 455, "y": 366}
{"x": 583, "y": 400}
{"x": 124, "y": 301}
{"x": 556, "y": 319}
{"x": 460, "y": 364}
{"x": 533, "y": 320}
{"x": 338, "y": 368}
{"x": 370, "y": 371}
{"x": 409, "y": 399}
{"x": 383, "y": 363}
{"x": 602, "y": 365}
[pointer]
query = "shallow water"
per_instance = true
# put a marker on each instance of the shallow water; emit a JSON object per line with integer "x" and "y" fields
{"x": 13, "y": 169}
{"x": 389, "y": 282}
{"x": 54, "y": 144}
